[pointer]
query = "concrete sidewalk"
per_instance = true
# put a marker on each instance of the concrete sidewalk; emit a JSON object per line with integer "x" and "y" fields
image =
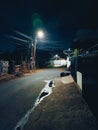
{"x": 64, "y": 109}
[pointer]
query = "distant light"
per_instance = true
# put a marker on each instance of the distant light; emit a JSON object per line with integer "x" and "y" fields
{"x": 69, "y": 49}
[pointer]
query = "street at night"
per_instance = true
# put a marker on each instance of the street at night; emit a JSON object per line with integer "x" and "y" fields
{"x": 48, "y": 65}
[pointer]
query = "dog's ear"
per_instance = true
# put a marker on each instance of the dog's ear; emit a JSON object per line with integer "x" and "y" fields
{"x": 51, "y": 83}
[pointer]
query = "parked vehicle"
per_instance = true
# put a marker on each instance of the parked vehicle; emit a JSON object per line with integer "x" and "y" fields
{"x": 66, "y": 72}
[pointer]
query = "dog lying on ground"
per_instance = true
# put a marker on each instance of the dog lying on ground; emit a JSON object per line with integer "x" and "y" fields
{"x": 46, "y": 91}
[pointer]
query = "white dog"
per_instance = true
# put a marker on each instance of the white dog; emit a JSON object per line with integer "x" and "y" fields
{"x": 46, "y": 91}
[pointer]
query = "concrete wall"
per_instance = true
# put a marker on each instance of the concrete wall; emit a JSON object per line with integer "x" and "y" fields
{"x": 79, "y": 79}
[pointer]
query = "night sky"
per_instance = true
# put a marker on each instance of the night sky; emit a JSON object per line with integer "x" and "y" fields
{"x": 62, "y": 21}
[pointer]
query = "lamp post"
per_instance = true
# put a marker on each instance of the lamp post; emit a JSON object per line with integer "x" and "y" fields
{"x": 39, "y": 34}
{"x": 31, "y": 57}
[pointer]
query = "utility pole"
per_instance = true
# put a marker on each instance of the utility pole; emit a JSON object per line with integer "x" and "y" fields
{"x": 39, "y": 34}
{"x": 34, "y": 58}
{"x": 31, "y": 55}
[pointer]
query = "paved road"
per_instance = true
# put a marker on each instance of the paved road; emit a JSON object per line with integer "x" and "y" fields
{"x": 18, "y": 95}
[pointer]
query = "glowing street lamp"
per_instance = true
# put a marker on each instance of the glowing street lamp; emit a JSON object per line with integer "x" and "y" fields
{"x": 39, "y": 34}
{"x": 56, "y": 56}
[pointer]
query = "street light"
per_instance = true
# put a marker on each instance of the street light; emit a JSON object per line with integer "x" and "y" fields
{"x": 39, "y": 34}
{"x": 56, "y": 56}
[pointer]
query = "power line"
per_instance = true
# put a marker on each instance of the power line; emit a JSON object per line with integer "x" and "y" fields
{"x": 24, "y": 35}
{"x": 16, "y": 38}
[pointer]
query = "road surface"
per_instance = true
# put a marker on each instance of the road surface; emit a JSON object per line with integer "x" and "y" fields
{"x": 18, "y": 95}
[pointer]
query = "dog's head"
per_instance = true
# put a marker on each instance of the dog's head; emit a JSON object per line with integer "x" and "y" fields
{"x": 50, "y": 83}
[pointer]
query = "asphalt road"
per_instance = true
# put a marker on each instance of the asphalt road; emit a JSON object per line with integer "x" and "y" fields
{"x": 18, "y": 95}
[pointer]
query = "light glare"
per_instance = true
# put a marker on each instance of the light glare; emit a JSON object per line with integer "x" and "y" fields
{"x": 40, "y": 34}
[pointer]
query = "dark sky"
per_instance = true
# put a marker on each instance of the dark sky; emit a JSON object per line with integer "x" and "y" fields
{"x": 61, "y": 20}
